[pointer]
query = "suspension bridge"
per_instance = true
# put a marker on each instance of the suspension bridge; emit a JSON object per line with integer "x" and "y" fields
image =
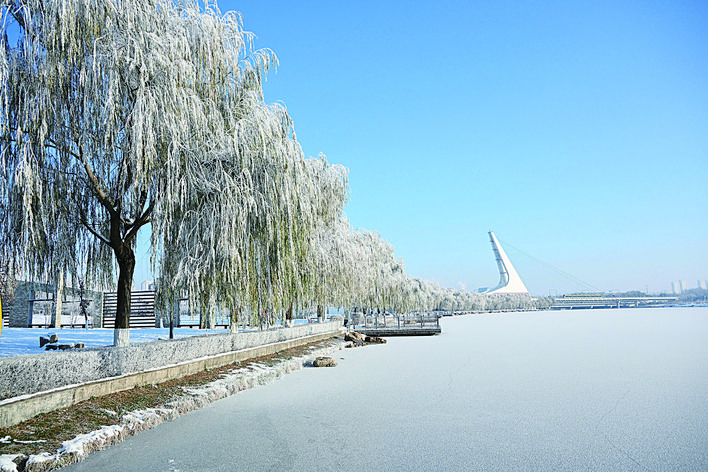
{"x": 510, "y": 282}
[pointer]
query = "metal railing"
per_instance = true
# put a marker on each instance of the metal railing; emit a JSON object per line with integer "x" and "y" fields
{"x": 400, "y": 321}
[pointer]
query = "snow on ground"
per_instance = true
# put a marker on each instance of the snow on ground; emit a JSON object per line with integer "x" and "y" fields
{"x": 6, "y": 464}
{"x": 21, "y": 341}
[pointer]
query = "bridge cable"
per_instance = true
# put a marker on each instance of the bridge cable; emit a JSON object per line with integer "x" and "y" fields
{"x": 562, "y": 272}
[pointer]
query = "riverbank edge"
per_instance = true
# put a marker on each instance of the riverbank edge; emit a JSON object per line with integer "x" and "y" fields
{"x": 35, "y": 373}
{"x": 238, "y": 379}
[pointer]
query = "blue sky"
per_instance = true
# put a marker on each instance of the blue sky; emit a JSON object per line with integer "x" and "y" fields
{"x": 577, "y": 131}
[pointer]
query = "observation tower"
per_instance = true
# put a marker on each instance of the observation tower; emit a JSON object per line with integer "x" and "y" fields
{"x": 509, "y": 280}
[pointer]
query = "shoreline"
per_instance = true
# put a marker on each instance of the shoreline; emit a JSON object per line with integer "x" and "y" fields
{"x": 25, "y": 450}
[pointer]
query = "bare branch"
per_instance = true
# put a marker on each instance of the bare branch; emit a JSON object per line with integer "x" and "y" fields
{"x": 97, "y": 187}
{"x": 88, "y": 226}
{"x": 140, "y": 222}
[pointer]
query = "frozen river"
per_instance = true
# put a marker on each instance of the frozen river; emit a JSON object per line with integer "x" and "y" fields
{"x": 620, "y": 390}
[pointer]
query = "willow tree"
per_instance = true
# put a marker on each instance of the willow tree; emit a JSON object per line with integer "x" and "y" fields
{"x": 241, "y": 219}
{"x": 331, "y": 266}
{"x": 247, "y": 247}
{"x": 321, "y": 269}
{"x": 108, "y": 107}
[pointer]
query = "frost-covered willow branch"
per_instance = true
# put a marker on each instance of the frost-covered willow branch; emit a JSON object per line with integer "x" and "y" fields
{"x": 118, "y": 114}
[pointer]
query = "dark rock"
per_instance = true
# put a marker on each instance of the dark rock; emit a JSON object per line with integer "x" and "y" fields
{"x": 51, "y": 347}
{"x": 374, "y": 339}
{"x": 324, "y": 362}
{"x": 20, "y": 461}
{"x": 64, "y": 347}
{"x": 354, "y": 336}
{"x": 52, "y": 338}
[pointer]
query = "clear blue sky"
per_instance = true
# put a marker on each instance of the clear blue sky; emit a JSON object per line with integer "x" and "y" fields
{"x": 577, "y": 131}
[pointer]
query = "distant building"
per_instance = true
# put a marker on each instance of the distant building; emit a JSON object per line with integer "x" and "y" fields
{"x": 678, "y": 287}
{"x": 148, "y": 285}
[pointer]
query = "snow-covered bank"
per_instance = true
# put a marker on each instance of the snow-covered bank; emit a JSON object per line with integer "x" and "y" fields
{"x": 23, "y": 341}
{"x": 236, "y": 380}
{"x": 23, "y": 375}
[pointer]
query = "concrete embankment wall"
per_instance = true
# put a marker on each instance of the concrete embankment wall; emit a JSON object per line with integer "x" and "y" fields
{"x": 43, "y": 382}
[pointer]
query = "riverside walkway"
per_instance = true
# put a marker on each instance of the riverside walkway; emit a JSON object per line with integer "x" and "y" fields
{"x": 397, "y": 325}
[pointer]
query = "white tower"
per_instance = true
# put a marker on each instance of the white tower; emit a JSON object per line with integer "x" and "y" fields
{"x": 509, "y": 280}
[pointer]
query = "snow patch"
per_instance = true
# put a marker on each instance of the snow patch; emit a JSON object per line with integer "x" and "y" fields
{"x": 78, "y": 448}
{"x": 21, "y": 341}
{"x": 7, "y": 464}
{"x": 40, "y": 462}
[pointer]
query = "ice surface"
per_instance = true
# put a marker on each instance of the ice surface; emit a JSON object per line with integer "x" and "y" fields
{"x": 589, "y": 390}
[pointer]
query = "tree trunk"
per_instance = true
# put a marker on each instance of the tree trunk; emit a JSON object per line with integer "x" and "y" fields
{"x": 56, "y": 319}
{"x": 289, "y": 315}
{"x": 172, "y": 323}
{"x": 206, "y": 320}
{"x": 126, "y": 266}
{"x": 320, "y": 313}
{"x": 234, "y": 319}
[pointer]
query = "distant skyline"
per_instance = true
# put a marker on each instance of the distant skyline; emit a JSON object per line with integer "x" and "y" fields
{"x": 577, "y": 132}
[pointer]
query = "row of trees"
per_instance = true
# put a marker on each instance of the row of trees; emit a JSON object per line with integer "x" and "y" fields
{"x": 119, "y": 115}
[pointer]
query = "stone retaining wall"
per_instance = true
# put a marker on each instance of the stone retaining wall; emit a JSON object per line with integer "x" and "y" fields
{"x": 29, "y": 374}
